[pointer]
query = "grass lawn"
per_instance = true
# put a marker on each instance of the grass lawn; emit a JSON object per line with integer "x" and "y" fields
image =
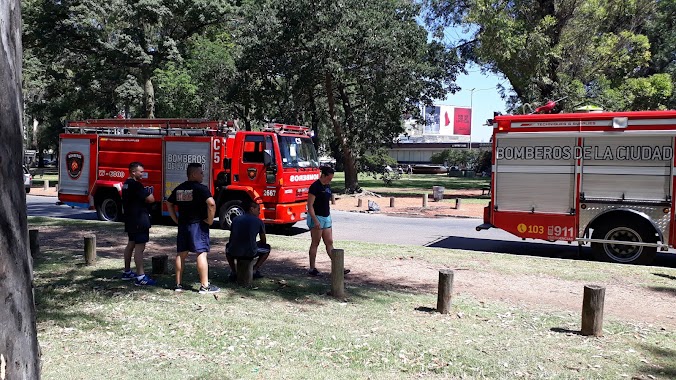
{"x": 413, "y": 184}
{"x": 93, "y": 326}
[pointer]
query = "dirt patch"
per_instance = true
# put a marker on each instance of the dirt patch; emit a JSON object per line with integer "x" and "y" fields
{"x": 626, "y": 299}
{"x": 413, "y": 206}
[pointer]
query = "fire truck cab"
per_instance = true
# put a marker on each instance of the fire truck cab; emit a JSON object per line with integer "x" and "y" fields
{"x": 274, "y": 167}
{"x": 607, "y": 179}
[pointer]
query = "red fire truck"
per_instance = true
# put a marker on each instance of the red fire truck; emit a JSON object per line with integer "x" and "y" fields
{"x": 607, "y": 179}
{"x": 274, "y": 167}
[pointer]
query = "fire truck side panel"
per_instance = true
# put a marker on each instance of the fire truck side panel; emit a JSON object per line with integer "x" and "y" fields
{"x": 537, "y": 226}
{"x": 617, "y": 168}
{"x": 178, "y": 153}
{"x": 116, "y": 153}
{"x": 77, "y": 169}
{"x": 533, "y": 174}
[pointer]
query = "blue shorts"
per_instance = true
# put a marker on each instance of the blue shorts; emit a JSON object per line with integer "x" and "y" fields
{"x": 324, "y": 222}
{"x": 193, "y": 237}
{"x": 140, "y": 236}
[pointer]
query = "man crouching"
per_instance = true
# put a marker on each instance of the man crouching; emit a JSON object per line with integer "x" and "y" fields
{"x": 242, "y": 244}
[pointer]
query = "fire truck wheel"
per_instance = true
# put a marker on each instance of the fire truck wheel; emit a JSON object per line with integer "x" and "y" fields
{"x": 228, "y": 211}
{"x": 109, "y": 208}
{"x": 637, "y": 230}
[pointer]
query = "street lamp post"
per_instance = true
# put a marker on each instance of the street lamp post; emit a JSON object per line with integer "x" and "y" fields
{"x": 471, "y": 110}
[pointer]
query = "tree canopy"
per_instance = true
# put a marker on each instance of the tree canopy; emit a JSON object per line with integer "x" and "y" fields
{"x": 613, "y": 53}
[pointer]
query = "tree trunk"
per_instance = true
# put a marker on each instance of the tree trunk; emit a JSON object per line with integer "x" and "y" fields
{"x": 314, "y": 119}
{"x": 148, "y": 94}
{"x": 19, "y": 355}
{"x": 348, "y": 158}
{"x": 351, "y": 179}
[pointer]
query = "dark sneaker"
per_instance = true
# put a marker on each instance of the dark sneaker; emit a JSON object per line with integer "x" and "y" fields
{"x": 126, "y": 276}
{"x": 209, "y": 289}
{"x": 346, "y": 271}
{"x": 182, "y": 288}
{"x": 257, "y": 274}
{"x": 145, "y": 281}
{"x": 314, "y": 272}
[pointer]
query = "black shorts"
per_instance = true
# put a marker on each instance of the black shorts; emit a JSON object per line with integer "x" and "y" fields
{"x": 263, "y": 249}
{"x": 139, "y": 236}
{"x": 193, "y": 237}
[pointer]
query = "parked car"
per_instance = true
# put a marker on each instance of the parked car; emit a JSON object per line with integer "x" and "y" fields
{"x": 27, "y": 179}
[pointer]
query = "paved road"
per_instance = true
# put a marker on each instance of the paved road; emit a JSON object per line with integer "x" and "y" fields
{"x": 454, "y": 233}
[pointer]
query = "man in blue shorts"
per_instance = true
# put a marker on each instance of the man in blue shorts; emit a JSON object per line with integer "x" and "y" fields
{"x": 245, "y": 228}
{"x": 196, "y": 211}
{"x": 136, "y": 223}
{"x": 319, "y": 217}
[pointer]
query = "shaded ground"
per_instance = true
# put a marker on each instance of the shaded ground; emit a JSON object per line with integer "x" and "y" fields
{"x": 626, "y": 299}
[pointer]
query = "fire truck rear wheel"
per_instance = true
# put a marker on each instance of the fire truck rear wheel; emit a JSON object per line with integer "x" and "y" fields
{"x": 109, "y": 208}
{"x": 634, "y": 229}
{"x": 228, "y": 211}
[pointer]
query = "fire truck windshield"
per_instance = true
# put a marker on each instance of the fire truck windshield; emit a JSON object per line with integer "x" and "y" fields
{"x": 298, "y": 152}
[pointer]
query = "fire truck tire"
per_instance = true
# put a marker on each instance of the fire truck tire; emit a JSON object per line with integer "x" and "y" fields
{"x": 632, "y": 229}
{"x": 109, "y": 208}
{"x": 228, "y": 211}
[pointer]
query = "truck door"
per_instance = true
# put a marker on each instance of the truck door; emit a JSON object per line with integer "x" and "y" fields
{"x": 253, "y": 170}
{"x": 181, "y": 151}
{"x": 77, "y": 163}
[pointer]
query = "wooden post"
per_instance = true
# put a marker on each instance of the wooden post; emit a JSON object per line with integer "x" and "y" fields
{"x": 34, "y": 238}
{"x": 45, "y": 184}
{"x": 445, "y": 291}
{"x": 338, "y": 274}
{"x": 244, "y": 272}
{"x": 457, "y": 203}
{"x": 160, "y": 264}
{"x": 424, "y": 198}
{"x": 592, "y": 310}
{"x": 359, "y": 202}
{"x": 56, "y": 187}
{"x": 391, "y": 201}
{"x": 333, "y": 199}
{"x": 90, "y": 249}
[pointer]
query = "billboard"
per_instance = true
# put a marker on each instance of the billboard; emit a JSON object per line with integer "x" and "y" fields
{"x": 448, "y": 120}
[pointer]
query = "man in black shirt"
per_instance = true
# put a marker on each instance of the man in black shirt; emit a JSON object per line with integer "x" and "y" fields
{"x": 242, "y": 243}
{"x": 136, "y": 223}
{"x": 196, "y": 210}
{"x": 319, "y": 217}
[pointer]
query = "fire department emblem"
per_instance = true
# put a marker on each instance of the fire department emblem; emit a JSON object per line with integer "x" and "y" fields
{"x": 251, "y": 172}
{"x": 74, "y": 164}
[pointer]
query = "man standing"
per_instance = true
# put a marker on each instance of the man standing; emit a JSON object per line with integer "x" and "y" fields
{"x": 136, "y": 223}
{"x": 243, "y": 243}
{"x": 319, "y": 217}
{"x": 196, "y": 210}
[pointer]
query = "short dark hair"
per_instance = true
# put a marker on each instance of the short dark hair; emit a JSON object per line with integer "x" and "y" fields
{"x": 134, "y": 165}
{"x": 247, "y": 204}
{"x": 192, "y": 167}
{"x": 327, "y": 170}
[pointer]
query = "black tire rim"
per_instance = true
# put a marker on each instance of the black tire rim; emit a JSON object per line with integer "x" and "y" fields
{"x": 109, "y": 209}
{"x": 231, "y": 213}
{"x": 623, "y": 253}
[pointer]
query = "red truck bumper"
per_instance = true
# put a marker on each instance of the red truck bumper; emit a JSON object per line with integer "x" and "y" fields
{"x": 285, "y": 213}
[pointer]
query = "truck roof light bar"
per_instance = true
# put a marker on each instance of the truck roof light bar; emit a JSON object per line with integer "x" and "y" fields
{"x": 286, "y": 128}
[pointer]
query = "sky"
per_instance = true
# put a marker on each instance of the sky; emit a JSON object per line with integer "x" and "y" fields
{"x": 485, "y": 100}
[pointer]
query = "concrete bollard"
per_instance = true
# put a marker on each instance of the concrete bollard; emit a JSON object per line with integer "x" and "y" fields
{"x": 391, "y": 201}
{"x": 333, "y": 199}
{"x": 457, "y": 203}
{"x": 359, "y": 202}
{"x": 45, "y": 185}
{"x": 424, "y": 200}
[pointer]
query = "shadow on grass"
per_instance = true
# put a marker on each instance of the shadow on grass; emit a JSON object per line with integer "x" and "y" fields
{"x": 665, "y": 276}
{"x": 565, "y": 331}
{"x": 664, "y": 367}
{"x": 663, "y": 289}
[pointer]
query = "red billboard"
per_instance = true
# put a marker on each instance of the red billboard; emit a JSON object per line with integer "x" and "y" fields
{"x": 462, "y": 121}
